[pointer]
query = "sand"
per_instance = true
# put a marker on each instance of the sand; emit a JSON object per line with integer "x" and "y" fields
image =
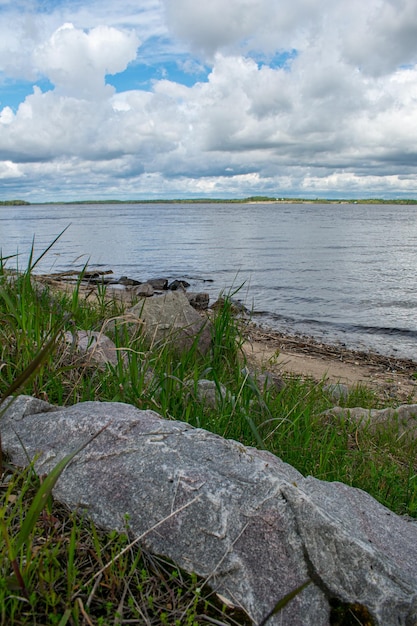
{"x": 389, "y": 377}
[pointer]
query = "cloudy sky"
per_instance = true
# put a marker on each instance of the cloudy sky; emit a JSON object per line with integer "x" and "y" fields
{"x": 223, "y": 98}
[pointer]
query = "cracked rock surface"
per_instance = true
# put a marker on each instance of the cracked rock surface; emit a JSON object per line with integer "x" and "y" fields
{"x": 242, "y": 517}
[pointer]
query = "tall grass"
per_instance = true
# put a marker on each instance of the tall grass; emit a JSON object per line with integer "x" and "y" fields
{"x": 64, "y": 552}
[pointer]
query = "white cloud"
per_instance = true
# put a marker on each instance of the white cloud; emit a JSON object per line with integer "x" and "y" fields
{"x": 209, "y": 26}
{"x": 385, "y": 38}
{"x": 6, "y": 116}
{"x": 10, "y": 170}
{"x": 240, "y": 25}
{"x": 340, "y": 115}
{"x": 23, "y": 28}
{"x": 76, "y": 62}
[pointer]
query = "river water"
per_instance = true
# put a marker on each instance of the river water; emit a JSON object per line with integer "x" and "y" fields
{"x": 342, "y": 273}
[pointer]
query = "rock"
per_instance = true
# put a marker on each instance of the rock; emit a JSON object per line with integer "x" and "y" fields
{"x": 352, "y": 543}
{"x": 337, "y": 391}
{"x": 236, "y": 307}
{"x": 159, "y": 284}
{"x": 96, "y": 347}
{"x": 94, "y": 274}
{"x": 242, "y": 518}
{"x": 264, "y": 381}
{"x": 178, "y": 284}
{"x": 22, "y": 405}
{"x": 404, "y": 418}
{"x": 128, "y": 282}
{"x": 198, "y": 300}
{"x": 98, "y": 279}
{"x": 170, "y": 318}
{"x": 144, "y": 290}
{"x": 270, "y": 382}
{"x": 210, "y": 393}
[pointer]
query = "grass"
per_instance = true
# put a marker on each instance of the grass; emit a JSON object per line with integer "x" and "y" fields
{"x": 62, "y": 554}
{"x": 73, "y": 576}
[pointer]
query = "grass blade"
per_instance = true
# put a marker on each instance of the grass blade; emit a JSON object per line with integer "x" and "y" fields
{"x": 64, "y": 619}
{"x": 32, "y": 367}
{"x": 31, "y": 265}
{"x": 284, "y": 601}
{"x": 43, "y": 493}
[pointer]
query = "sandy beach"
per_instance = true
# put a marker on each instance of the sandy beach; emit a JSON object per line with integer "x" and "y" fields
{"x": 391, "y": 378}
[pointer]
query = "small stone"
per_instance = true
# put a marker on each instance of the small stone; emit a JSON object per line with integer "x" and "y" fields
{"x": 144, "y": 290}
{"x": 96, "y": 347}
{"x": 159, "y": 284}
{"x": 403, "y": 417}
{"x": 178, "y": 284}
{"x": 210, "y": 393}
{"x": 199, "y": 301}
{"x": 337, "y": 391}
{"x": 128, "y": 282}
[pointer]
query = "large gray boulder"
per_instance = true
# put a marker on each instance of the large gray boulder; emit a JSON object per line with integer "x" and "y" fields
{"x": 244, "y": 519}
{"x": 169, "y": 318}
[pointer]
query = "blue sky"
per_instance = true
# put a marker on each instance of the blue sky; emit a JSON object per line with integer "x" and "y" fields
{"x": 173, "y": 98}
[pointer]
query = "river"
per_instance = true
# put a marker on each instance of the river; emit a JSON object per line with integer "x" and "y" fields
{"x": 342, "y": 273}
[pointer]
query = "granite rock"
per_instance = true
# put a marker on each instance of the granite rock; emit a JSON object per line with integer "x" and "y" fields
{"x": 241, "y": 517}
{"x": 169, "y": 318}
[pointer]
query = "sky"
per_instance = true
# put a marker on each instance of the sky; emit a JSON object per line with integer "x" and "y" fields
{"x": 150, "y": 99}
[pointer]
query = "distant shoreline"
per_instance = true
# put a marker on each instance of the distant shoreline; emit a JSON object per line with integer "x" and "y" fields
{"x": 249, "y": 200}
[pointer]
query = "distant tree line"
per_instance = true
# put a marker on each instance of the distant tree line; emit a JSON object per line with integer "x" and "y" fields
{"x": 13, "y": 202}
{"x": 227, "y": 200}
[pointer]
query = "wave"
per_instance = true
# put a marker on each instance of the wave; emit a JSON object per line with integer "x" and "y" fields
{"x": 385, "y": 330}
{"x": 323, "y": 325}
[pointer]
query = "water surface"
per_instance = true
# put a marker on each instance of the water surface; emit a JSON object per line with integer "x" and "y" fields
{"x": 339, "y": 272}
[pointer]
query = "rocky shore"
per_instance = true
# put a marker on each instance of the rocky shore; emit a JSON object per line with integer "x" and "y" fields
{"x": 391, "y": 378}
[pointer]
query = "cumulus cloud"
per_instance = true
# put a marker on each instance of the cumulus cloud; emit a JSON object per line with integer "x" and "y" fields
{"x": 28, "y": 25}
{"x": 301, "y": 97}
{"x": 76, "y": 62}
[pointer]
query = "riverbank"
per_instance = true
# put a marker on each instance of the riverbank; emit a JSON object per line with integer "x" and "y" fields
{"x": 391, "y": 378}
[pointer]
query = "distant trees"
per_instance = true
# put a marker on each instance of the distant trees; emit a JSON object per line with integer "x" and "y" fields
{"x": 260, "y": 199}
{"x": 13, "y": 202}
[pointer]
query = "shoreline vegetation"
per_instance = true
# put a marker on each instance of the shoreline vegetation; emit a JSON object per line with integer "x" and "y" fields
{"x": 67, "y": 571}
{"x": 248, "y": 200}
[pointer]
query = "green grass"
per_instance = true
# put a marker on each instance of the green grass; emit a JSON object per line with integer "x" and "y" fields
{"x": 62, "y": 554}
{"x": 76, "y": 574}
